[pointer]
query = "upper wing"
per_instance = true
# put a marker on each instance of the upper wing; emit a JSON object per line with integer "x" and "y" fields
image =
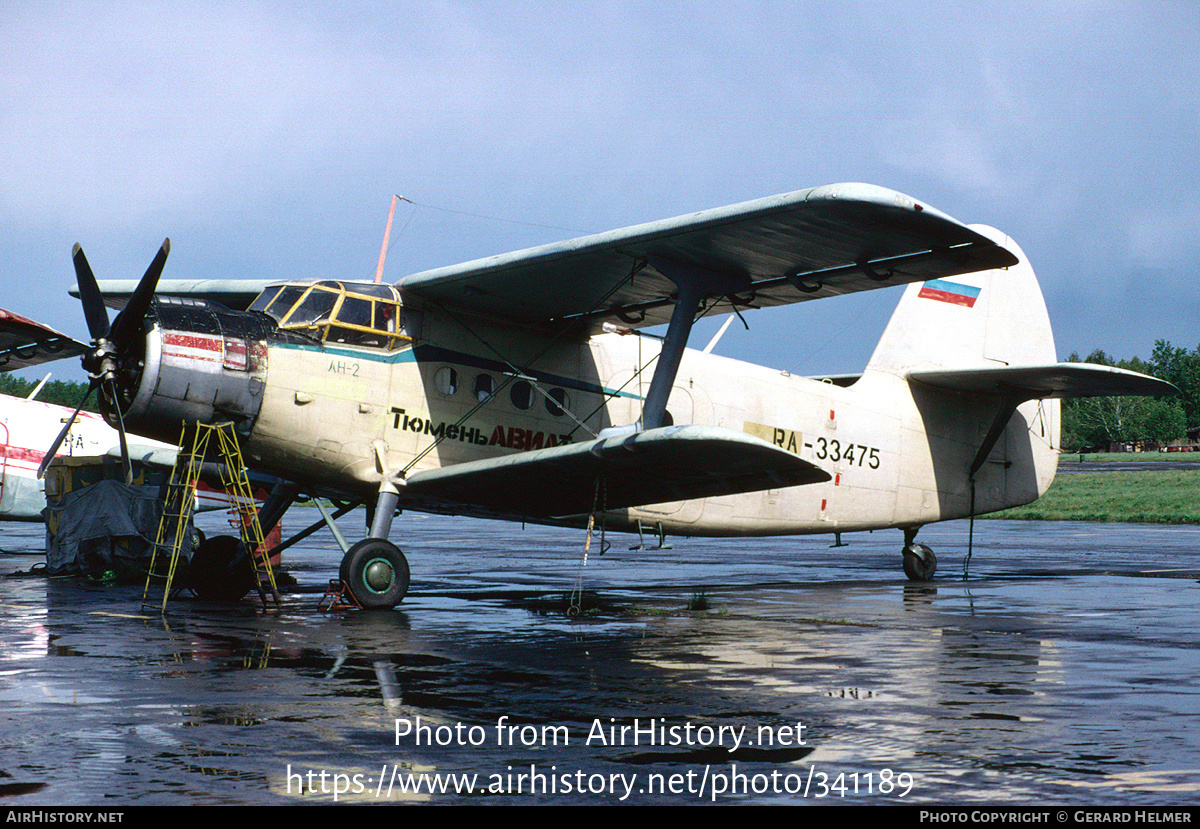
{"x": 656, "y": 466}
{"x": 232, "y": 293}
{"x": 25, "y": 343}
{"x": 1048, "y": 381}
{"x": 811, "y": 243}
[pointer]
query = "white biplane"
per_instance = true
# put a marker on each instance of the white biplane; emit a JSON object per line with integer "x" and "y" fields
{"x": 523, "y": 387}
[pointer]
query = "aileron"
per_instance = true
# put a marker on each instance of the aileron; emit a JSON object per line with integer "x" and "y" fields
{"x": 25, "y": 343}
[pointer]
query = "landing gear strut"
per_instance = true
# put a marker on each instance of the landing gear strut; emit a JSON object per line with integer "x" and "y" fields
{"x": 919, "y": 560}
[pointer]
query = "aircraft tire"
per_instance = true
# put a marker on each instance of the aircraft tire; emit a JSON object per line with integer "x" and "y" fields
{"x": 219, "y": 571}
{"x": 919, "y": 562}
{"x": 376, "y": 573}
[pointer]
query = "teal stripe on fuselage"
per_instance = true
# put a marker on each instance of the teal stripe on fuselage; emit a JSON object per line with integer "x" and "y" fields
{"x": 434, "y": 354}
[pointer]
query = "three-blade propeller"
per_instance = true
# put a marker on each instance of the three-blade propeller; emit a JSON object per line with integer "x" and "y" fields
{"x": 109, "y": 343}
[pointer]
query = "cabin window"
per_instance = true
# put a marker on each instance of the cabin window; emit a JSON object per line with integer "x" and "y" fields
{"x": 445, "y": 380}
{"x": 484, "y": 386}
{"x": 521, "y": 395}
{"x": 557, "y": 402}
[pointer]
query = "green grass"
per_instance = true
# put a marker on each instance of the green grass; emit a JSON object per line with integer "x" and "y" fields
{"x": 1128, "y": 457}
{"x": 1153, "y": 496}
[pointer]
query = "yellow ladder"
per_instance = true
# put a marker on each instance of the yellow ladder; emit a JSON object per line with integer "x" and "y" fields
{"x": 180, "y": 503}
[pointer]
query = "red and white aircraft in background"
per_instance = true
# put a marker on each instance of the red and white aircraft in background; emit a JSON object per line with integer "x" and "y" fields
{"x": 29, "y": 426}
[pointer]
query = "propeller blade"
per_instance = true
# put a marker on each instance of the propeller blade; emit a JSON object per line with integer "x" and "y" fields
{"x": 129, "y": 322}
{"x": 112, "y": 391}
{"x": 89, "y": 295}
{"x": 53, "y": 450}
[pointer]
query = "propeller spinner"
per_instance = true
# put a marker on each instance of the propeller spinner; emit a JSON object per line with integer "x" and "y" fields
{"x": 110, "y": 344}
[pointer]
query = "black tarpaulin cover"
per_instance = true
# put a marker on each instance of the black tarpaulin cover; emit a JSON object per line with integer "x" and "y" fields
{"x": 108, "y": 526}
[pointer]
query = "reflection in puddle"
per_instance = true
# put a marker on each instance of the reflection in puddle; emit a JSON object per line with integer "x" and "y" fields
{"x": 1023, "y": 689}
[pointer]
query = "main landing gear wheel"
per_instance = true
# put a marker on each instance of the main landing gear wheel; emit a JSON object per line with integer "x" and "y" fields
{"x": 219, "y": 570}
{"x": 376, "y": 573}
{"x": 919, "y": 562}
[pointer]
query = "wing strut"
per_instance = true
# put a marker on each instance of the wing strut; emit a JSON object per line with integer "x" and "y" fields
{"x": 695, "y": 285}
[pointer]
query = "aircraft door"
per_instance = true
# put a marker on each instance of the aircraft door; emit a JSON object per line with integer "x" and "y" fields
{"x": 682, "y": 406}
{"x": 627, "y": 368}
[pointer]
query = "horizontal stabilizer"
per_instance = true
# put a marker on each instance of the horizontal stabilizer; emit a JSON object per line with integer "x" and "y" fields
{"x": 25, "y": 343}
{"x": 1057, "y": 380}
{"x": 656, "y": 466}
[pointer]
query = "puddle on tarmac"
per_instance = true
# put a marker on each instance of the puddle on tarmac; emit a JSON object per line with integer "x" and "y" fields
{"x": 815, "y": 674}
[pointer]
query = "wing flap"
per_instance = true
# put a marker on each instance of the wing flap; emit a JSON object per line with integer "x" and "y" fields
{"x": 788, "y": 248}
{"x": 655, "y": 466}
{"x": 25, "y": 343}
{"x": 1058, "y": 380}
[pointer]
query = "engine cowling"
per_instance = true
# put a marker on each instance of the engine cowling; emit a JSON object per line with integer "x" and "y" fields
{"x": 201, "y": 362}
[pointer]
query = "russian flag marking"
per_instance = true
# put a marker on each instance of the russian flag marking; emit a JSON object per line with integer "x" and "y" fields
{"x": 953, "y": 292}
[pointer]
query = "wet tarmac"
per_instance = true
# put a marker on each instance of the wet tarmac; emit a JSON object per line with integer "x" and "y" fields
{"x": 1063, "y": 670}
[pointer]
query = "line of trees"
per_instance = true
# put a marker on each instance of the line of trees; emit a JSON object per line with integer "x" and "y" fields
{"x": 1098, "y": 421}
{"x": 62, "y": 392}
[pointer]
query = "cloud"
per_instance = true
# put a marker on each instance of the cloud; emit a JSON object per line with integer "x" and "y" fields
{"x": 1164, "y": 238}
{"x": 267, "y": 138}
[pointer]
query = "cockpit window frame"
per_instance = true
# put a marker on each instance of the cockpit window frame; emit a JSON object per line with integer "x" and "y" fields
{"x": 387, "y": 324}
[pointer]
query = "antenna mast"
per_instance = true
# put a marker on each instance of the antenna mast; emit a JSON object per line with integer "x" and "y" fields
{"x": 386, "y": 234}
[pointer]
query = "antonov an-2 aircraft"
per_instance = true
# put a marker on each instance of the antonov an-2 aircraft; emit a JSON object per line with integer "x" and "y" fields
{"x": 522, "y": 387}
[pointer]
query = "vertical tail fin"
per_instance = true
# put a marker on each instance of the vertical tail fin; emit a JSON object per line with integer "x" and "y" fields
{"x": 995, "y": 317}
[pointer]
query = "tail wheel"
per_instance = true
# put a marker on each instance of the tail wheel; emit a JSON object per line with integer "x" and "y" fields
{"x": 376, "y": 573}
{"x": 919, "y": 562}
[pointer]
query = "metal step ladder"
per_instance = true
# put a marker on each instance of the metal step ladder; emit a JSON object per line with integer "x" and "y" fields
{"x": 179, "y": 504}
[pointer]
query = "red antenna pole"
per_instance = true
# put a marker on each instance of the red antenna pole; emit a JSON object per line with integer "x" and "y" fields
{"x": 386, "y": 234}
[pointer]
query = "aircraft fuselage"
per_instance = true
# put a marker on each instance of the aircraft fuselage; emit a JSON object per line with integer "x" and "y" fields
{"x": 468, "y": 389}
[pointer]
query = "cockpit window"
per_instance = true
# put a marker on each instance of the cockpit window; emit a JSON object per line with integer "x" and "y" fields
{"x": 315, "y": 308}
{"x": 264, "y": 299}
{"x": 277, "y": 300}
{"x": 354, "y": 314}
